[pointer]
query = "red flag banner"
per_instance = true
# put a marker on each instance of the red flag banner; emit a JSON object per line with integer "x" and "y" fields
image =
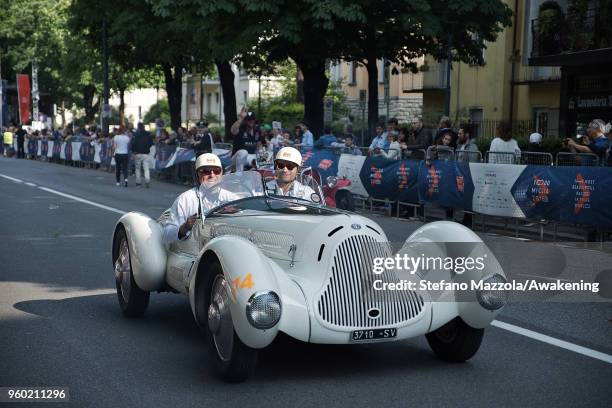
{"x": 23, "y": 94}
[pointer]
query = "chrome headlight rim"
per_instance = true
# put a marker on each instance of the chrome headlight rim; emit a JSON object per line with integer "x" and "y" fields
{"x": 502, "y": 294}
{"x": 249, "y": 309}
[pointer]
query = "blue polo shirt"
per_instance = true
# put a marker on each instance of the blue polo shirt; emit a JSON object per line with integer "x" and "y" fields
{"x": 600, "y": 145}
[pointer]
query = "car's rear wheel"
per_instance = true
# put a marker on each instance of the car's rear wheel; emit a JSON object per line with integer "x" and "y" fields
{"x": 455, "y": 341}
{"x": 233, "y": 360}
{"x": 132, "y": 300}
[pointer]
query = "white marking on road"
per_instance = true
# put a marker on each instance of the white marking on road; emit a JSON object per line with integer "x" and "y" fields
{"x": 607, "y": 358}
{"x": 16, "y": 180}
{"x": 30, "y": 184}
{"x": 82, "y": 200}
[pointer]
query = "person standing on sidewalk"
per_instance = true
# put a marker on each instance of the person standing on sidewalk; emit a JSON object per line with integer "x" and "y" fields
{"x": 141, "y": 147}
{"x": 121, "y": 150}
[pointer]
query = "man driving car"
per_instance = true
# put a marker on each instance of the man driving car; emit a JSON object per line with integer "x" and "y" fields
{"x": 207, "y": 195}
{"x": 286, "y": 166}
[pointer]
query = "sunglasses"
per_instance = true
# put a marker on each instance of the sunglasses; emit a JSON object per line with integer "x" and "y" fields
{"x": 207, "y": 172}
{"x": 285, "y": 165}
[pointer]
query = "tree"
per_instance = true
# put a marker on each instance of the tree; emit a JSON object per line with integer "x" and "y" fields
{"x": 400, "y": 31}
{"x": 140, "y": 39}
{"x": 37, "y": 30}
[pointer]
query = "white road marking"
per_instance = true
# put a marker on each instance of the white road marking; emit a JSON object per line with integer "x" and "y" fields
{"x": 16, "y": 180}
{"x": 607, "y": 358}
{"x": 502, "y": 325}
{"x": 82, "y": 200}
{"x": 30, "y": 184}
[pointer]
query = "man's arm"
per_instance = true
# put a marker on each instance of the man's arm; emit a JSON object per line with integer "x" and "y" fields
{"x": 579, "y": 147}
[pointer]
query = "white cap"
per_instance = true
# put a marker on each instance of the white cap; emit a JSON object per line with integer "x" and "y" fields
{"x": 207, "y": 159}
{"x": 289, "y": 154}
{"x": 535, "y": 138}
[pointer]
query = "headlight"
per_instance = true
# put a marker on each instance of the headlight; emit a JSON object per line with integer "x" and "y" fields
{"x": 495, "y": 298}
{"x": 263, "y": 309}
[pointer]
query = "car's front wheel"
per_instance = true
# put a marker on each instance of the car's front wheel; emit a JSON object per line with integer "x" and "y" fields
{"x": 132, "y": 300}
{"x": 233, "y": 360}
{"x": 455, "y": 341}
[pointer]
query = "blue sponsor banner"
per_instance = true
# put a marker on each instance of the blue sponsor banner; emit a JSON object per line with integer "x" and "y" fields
{"x": 163, "y": 154}
{"x": 587, "y": 196}
{"x": 57, "y": 148}
{"x": 33, "y": 148}
{"x": 446, "y": 183}
{"x": 390, "y": 179}
{"x": 44, "y": 148}
{"x": 87, "y": 151}
{"x": 105, "y": 152}
{"x": 324, "y": 160}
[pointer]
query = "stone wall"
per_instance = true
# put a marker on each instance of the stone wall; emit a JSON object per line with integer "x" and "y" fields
{"x": 403, "y": 108}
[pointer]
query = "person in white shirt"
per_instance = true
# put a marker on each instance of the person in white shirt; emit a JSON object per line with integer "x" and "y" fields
{"x": 287, "y": 163}
{"x": 504, "y": 144}
{"x": 378, "y": 143}
{"x": 187, "y": 206}
{"x": 121, "y": 150}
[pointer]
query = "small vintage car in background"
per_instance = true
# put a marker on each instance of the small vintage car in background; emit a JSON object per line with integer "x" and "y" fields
{"x": 263, "y": 264}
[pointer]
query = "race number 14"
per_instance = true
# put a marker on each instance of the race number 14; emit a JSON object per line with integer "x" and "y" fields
{"x": 243, "y": 282}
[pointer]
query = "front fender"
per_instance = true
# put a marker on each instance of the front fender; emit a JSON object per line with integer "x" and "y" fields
{"x": 147, "y": 252}
{"x": 239, "y": 257}
{"x": 434, "y": 239}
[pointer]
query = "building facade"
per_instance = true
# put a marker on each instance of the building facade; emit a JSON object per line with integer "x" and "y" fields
{"x": 403, "y": 100}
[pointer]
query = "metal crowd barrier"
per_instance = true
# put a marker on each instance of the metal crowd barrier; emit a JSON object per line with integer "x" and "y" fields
{"x": 438, "y": 152}
{"x": 415, "y": 154}
{"x": 469, "y": 156}
{"x": 577, "y": 159}
{"x": 501, "y": 157}
{"x": 536, "y": 158}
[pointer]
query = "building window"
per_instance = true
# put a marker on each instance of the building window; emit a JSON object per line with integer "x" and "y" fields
{"x": 476, "y": 117}
{"x": 244, "y": 96}
{"x": 476, "y": 38}
{"x": 208, "y": 102}
{"x": 352, "y": 74}
{"x": 217, "y": 97}
{"x": 380, "y": 64}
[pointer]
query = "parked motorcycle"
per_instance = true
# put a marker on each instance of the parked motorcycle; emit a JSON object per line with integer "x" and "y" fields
{"x": 337, "y": 195}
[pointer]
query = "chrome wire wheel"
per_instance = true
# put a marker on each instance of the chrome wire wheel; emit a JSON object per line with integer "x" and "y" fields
{"x": 220, "y": 319}
{"x": 123, "y": 270}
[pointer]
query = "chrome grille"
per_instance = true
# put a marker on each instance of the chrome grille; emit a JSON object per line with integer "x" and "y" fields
{"x": 349, "y": 293}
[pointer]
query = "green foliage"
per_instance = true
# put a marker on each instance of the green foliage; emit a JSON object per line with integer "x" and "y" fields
{"x": 158, "y": 110}
{"x": 288, "y": 114}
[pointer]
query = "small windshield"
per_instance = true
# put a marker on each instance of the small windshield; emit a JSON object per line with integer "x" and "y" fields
{"x": 250, "y": 193}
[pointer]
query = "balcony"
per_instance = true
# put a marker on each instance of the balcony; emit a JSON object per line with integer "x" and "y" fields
{"x": 527, "y": 74}
{"x": 432, "y": 78}
{"x": 571, "y": 39}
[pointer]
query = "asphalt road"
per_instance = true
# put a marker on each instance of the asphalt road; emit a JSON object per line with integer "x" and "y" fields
{"x": 60, "y": 324}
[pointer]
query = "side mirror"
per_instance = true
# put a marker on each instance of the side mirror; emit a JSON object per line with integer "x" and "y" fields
{"x": 332, "y": 181}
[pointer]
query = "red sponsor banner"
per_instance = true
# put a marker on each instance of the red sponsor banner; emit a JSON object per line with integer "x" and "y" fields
{"x": 23, "y": 94}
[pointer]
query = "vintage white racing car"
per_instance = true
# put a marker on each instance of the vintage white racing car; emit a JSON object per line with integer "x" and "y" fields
{"x": 261, "y": 265}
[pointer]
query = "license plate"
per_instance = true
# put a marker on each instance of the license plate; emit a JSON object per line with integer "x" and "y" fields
{"x": 373, "y": 334}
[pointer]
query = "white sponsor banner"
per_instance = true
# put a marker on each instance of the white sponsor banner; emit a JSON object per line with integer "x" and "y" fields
{"x": 492, "y": 189}
{"x": 50, "y": 149}
{"x": 76, "y": 151}
{"x": 63, "y": 151}
{"x": 97, "y": 150}
{"x": 349, "y": 166}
